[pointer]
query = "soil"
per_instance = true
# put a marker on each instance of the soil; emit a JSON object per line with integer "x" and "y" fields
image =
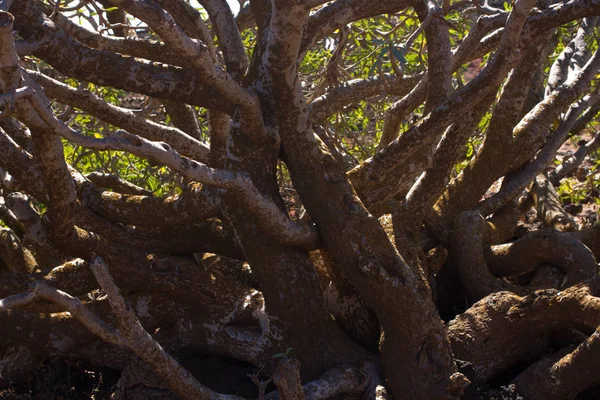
{"x": 57, "y": 379}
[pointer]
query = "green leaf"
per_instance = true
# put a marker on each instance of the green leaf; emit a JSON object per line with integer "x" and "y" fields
{"x": 470, "y": 150}
{"x": 378, "y": 60}
{"x": 398, "y": 55}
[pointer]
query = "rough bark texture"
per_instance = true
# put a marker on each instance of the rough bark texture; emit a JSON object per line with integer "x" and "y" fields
{"x": 191, "y": 187}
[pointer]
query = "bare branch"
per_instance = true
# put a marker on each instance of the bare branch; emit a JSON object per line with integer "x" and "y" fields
{"x": 402, "y": 108}
{"x": 548, "y": 205}
{"x": 191, "y": 22}
{"x": 511, "y": 329}
{"x": 228, "y": 35}
{"x": 559, "y": 249}
{"x": 342, "y": 12}
{"x": 21, "y": 166}
{"x": 127, "y": 45}
{"x": 41, "y": 290}
{"x": 126, "y": 119}
{"x": 102, "y": 67}
{"x": 430, "y": 186}
{"x": 530, "y": 130}
{"x": 571, "y": 163}
{"x": 184, "y": 117}
{"x": 439, "y": 71}
{"x": 218, "y": 125}
{"x": 196, "y": 52}
{"x": 572, "y": 58}
{"x": 358, "y": 89}
{"x": 116, "y": 183}
{"x": 192, "y": 205}
{"x": 343, "y": 380}
{"x": 49, "y": 150}
{"x": 137, "y": 339}
{"x": 467, "y": 246}
{"x": 287, "y": 380}
{"x": 279, "y": 225}
{"x": 558, "y": 379}
{"x": 16, "y": 257}
{"x": 370, "y": 178}
{"x": 8, "y": 217}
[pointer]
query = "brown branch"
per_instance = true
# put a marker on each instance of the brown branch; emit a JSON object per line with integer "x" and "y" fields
{"x": 35, "y": 235}
{"x": 7, "y": 216}
{"x": 531, "y": 130}
{"x": 197, "y": 54}
{"x": 467, "y": 249}
{"x": 571, "y": 59}
{"x": 218, "y": 125}
{"x": 228, "y": 35}
{"x": 245, "y": 18}
{"x": 130, "y": 334}
{"x": 135, "y": 47}
{"x": 17, "y": 258}
{"x": 370, "y": 178}
{"x": 192, "y": 205}
{"x": 504, "y": 329}
{"x": 184, "y": 117}
{"x": 122, "y": 117}
{"x": 358, "y": 89}
{"x": 22, "y": 166}
{"x": 439, "y": 55}
{"x": 116, "y": 183}
{"x": 191, "y": 22}
{"x": 466, "y": 191}
{"x": 48, "y": 148}
{"x": 558, "y": 378}
{"x": 402, "y": 108}
{"x": 549, "y": 207}
{"x": 359, "y": 244}
{"x": 287, "y": 380}
{"x": 571, "y": 163}
{"x": 145, "y": 347}
{"x": 103, "y": 67}
{"x": 559, "y": 249}
{"x": 342, "y": 12}
{"x": 335, "y": 382}
{"x": 431, "y": 185}
{"x": 17, "y": 131}
{"x": 41, "y": 290}
{"x": 10, "y": 78}
{"x": 278, "y": 224}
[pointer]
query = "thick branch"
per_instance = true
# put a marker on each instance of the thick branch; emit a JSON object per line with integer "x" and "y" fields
{"x": 549, "y": 207}
{"x": 559, "y": 249}
{"x": 103, "y": 67}
{"x": 144, "y": 346}
{"x": 116, "y": 183}
{"x": 197, "y": 54}
{"x": 228, "y": 36}
{"x": 356, "y": 90}
{"x": 122, "y": 117}
{"x": 342, "y": 12}
{"x": 369, "y": 178}
{"x": 277, "y": 223}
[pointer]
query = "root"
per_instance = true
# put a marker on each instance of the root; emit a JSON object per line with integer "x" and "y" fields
{"x": 504, "y": 329}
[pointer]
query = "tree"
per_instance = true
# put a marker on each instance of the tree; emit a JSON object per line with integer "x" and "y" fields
{"x": 290, "y": 187}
